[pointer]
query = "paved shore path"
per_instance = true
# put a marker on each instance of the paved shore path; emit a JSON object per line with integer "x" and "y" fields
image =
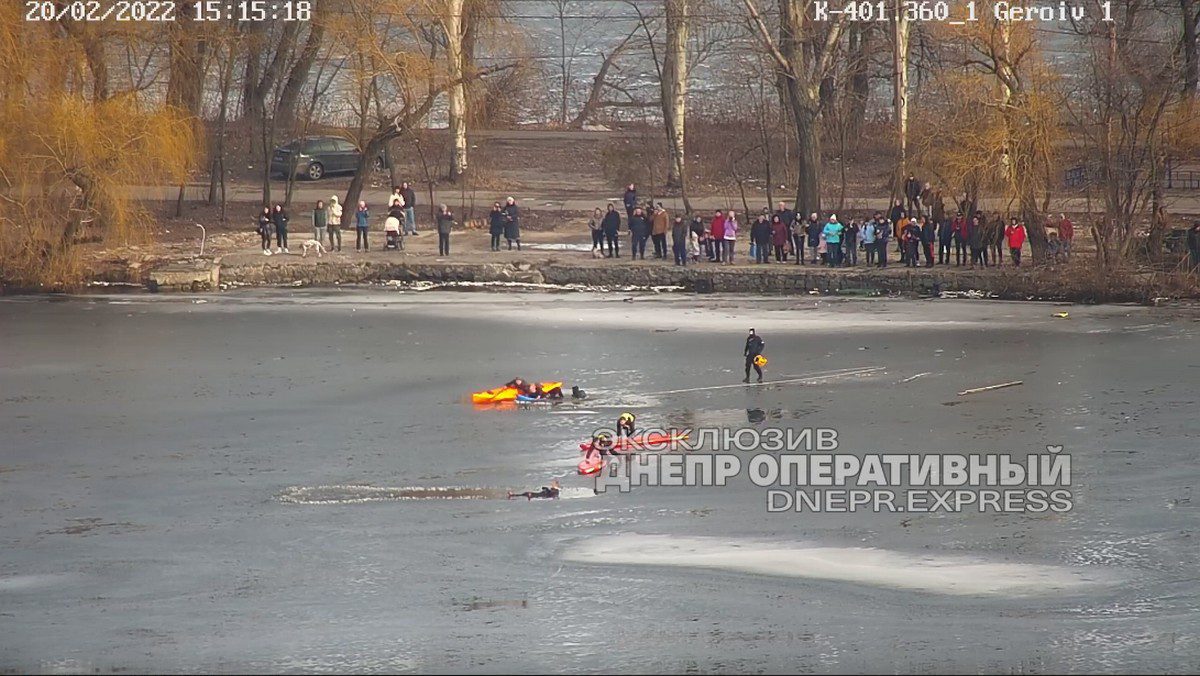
{"x": 305, "y": 192}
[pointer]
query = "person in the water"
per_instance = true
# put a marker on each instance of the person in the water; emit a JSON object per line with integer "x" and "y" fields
{"x": 535, "y": 391}
{"x": 546, "y": 493}
{"x": 602, "y": 445}
{"x": 518, "y": 383}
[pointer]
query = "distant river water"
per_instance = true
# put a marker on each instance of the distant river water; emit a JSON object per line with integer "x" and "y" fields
{"x": 292, "y": 480}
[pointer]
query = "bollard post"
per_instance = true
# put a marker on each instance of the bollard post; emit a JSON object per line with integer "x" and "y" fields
{"x": 203, "y": 236}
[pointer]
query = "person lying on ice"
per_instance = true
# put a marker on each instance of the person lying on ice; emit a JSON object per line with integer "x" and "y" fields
{"x": 546, "y": 493}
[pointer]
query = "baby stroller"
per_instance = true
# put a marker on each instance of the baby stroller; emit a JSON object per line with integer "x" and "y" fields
{"x": 391, "y": 229}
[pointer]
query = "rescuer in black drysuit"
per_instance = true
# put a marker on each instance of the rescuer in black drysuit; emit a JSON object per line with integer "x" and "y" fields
{"x": 754, "y": 347}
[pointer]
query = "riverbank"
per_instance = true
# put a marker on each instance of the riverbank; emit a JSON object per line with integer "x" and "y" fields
{"x": 230, "y": 272}
{"x": 558, "y": 259}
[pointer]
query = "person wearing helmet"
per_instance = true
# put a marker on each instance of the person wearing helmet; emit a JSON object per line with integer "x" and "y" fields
{"x": 546, "y": 493}
{"x": 754, "y": 348}
{"x": 625, "y": 423}
{"x": 518, "y": 383}
{"x": 602, "y": 443}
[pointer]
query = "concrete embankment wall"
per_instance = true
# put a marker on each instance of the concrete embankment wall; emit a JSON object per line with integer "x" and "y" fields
{"x": 773, "y": 279}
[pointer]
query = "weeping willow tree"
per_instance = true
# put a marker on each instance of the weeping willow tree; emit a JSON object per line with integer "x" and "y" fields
{"x": 69, "y": 144}
{"x": 992, "y": 124}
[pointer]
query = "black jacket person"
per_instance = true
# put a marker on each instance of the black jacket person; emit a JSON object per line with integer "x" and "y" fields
{"x": 639, "y": 232}
{"x": 512, "y": 223}
{"x": 754, "y": 348}
{"x": 611, "y": 225}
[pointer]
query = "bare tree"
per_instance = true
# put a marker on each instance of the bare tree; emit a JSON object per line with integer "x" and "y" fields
{"x": 672, "y": 71}
{"x": 860, "y": 43}
{"x": 188, "y": 49}
{"x": 225, "y": 49}
{"x": 674, "y": 86}
{"x": 1125, "y": 108}
{"x": 1190, "y": 46}
{"x": 398, "y": 86}
{"x": 803, "y": 53}
{"x": 299, "y": 73}
{"x": 900, "y": 44}
{"x": 602, "y": 83}
{"x": 453, "y": 25}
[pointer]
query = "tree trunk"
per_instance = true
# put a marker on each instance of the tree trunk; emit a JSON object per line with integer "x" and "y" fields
{"x": 185, "y": 83}
{"x": 268, "y": 136}
{"x": 764, "y": 138}
{"x": 674, "y": 90}
{"x": 1190, "y": 10}
{"x": 804, "y": 67}
{"x": 808, "y": 157}
{"x": 900, "y": 90}
{"x": 1035, "y": 222}
{"x": 257, "y": 96}
{"x": 860, "y": 83}
{"x": 300, "y": 73}
{"x": 472, "y": 22}
{"x": 93, "y": 52}
{"x": 252, "y": 102}
{"x": 1158, "y": 220}
{"x": 458, "y": 89}
{"x": 362, "y": 171}
{"x": 563, "y": 71}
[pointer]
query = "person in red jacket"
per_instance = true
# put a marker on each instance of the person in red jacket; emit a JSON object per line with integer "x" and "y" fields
{"x": 1066, "y": 234}
{"x": 958, "y": 229}
{"x": 780, "y": 238}
{"x": 1015, "y": 234}
{"x": 717, "y": 235}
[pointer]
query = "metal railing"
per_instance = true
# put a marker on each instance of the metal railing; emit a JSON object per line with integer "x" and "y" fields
{"x": 1174, "y": 179}
{"x": 1183, "y": 179}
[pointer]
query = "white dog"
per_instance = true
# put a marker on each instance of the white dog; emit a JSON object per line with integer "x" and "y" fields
{"x": 313, "y": 244}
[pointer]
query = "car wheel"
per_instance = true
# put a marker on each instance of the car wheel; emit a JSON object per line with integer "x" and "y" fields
{"x": 315, "y": 171}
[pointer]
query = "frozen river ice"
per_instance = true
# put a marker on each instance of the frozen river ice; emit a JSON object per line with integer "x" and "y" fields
{"x": 291, "y": 481}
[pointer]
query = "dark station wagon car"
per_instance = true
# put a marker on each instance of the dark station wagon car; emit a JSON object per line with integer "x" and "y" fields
{"x": 315, "y": 157}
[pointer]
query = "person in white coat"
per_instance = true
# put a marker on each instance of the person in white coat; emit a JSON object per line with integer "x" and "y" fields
{"x": 333, "y": 224}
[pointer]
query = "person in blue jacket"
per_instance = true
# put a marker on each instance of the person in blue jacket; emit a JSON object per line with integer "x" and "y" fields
{"x": 868, "y": 233}
{"x": 630, "y": 200}
{"x": 361, "y": 223}
{"x": 833, "y": 240}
